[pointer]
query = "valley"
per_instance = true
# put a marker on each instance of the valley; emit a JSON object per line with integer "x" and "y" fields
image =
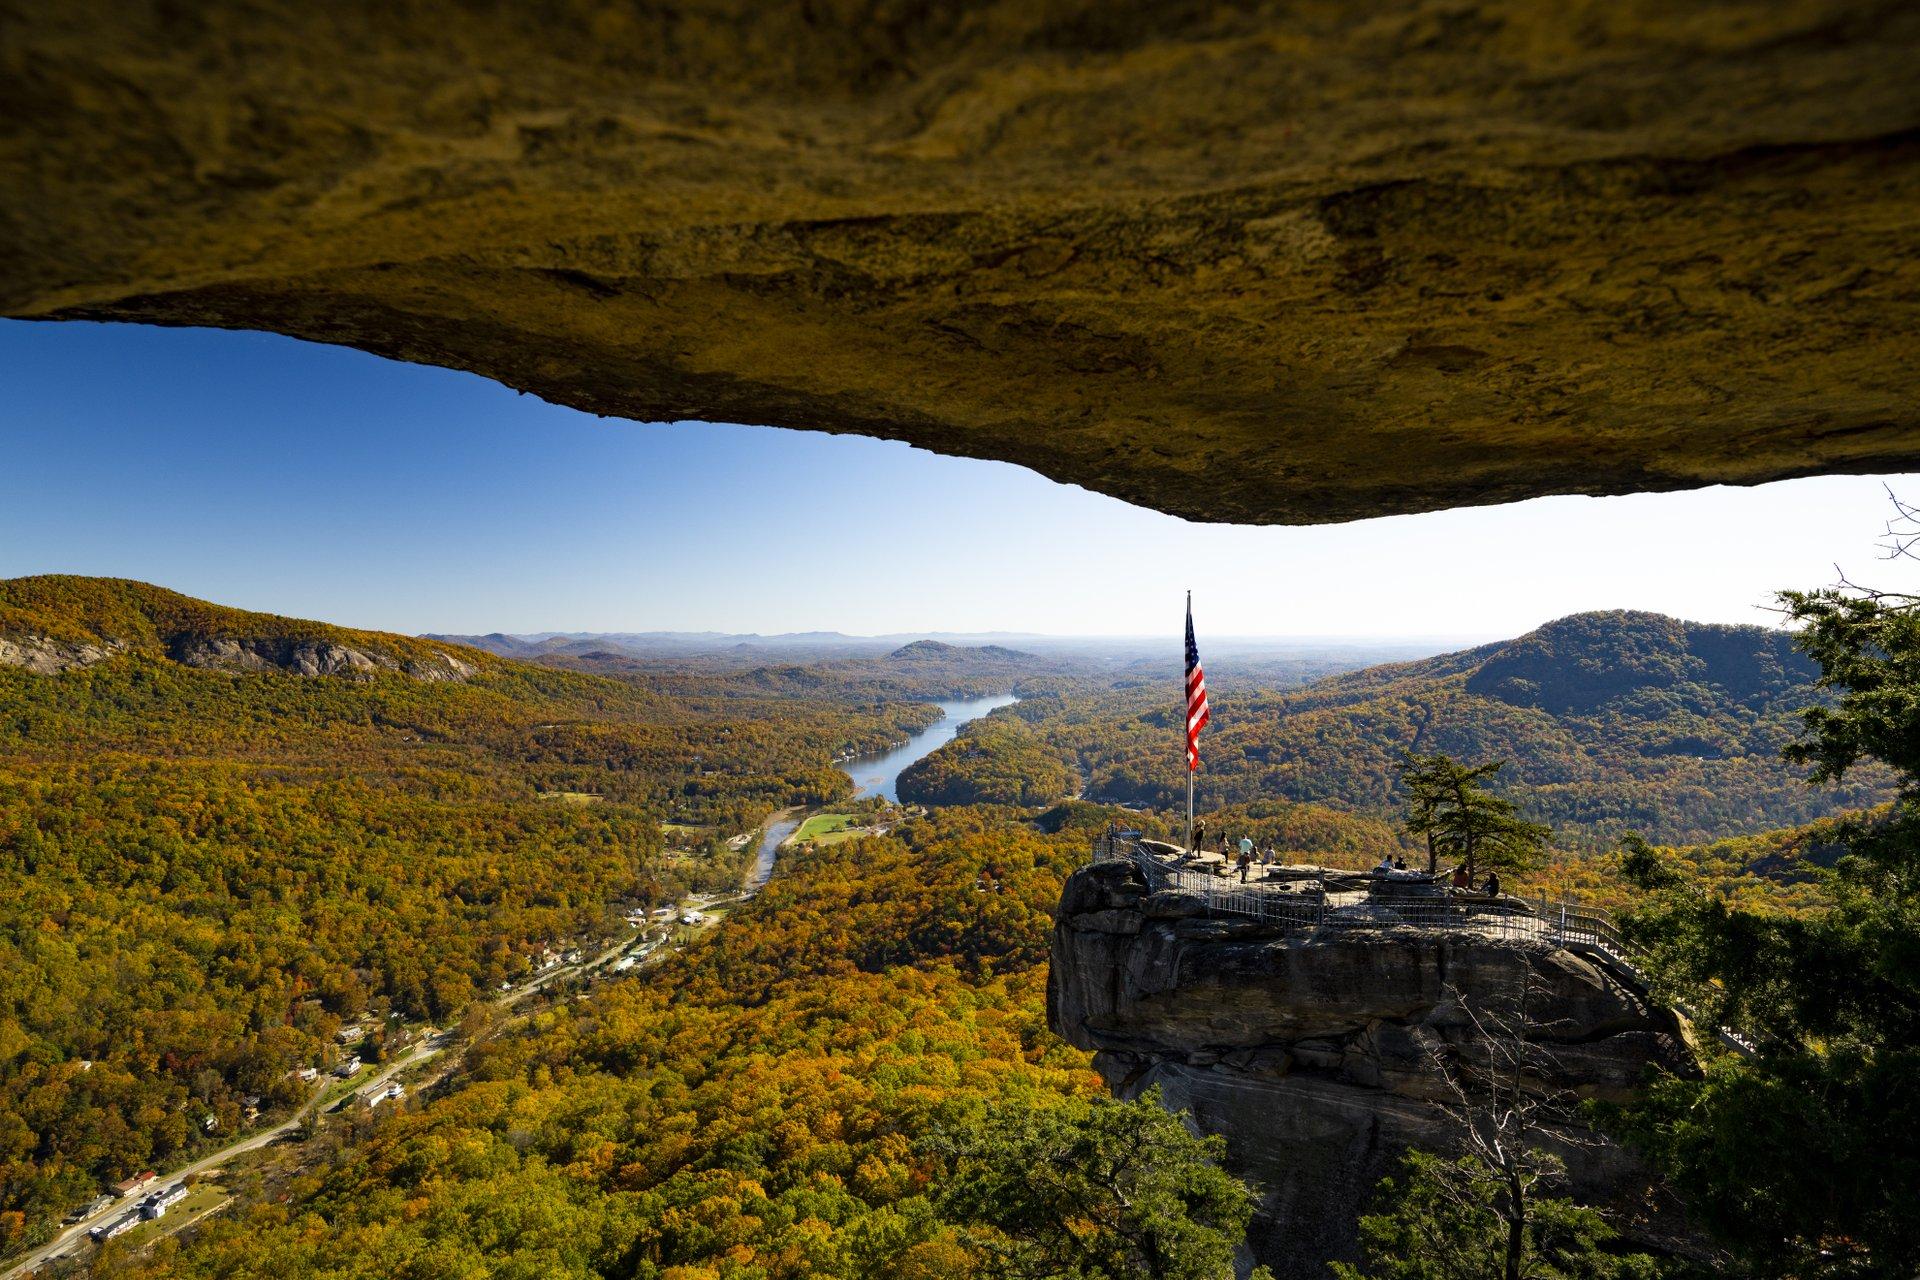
{"x": 1100, "y": 640}
{"x": 229, "y": 844}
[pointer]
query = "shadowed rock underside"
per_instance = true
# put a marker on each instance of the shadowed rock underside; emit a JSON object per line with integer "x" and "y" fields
{"x": 1238, "y": 262}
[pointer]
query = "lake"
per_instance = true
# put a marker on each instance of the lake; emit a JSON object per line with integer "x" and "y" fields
{"x": 877, "y": 775}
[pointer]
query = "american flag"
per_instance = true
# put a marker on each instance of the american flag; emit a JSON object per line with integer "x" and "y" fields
{"x": 1197, "y": 711}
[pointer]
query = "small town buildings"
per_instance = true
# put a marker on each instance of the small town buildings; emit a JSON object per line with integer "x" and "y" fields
{"x": 124, "y": 1223}
{"x": 157, "y": 1204}
{"x": 389, "y": 1092}
{"x": 308, "y": 1074}
{"x": 134, "y": 1183}
{"x": 351, "y": 1035}
{"x": 348, "y": 1067}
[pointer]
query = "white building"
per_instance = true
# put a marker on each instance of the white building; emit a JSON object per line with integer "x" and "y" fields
{"x": 157, "y": 1204}
{"x": 389, "y": 1092}
{"x": 124, "y": 1223}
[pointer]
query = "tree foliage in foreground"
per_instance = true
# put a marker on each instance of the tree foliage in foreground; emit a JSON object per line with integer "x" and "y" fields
{"x": 1092, "y": 1189}
{"x": 1487, "y": 1210}
{"x": 1442, "y": 1220}
{"x": 1801, "y": 1158}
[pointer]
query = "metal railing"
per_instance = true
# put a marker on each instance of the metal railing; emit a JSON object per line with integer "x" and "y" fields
{"x": 1387, "y": 903}
{"x": 1394, "y": 904}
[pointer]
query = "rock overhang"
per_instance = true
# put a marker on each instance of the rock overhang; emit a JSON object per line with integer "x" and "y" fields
{"x": 1239, "y": 262}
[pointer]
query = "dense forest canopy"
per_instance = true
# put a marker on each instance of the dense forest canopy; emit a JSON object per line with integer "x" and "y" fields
{"x": 771, "y": 1104}
{"x": 214, "y": 862}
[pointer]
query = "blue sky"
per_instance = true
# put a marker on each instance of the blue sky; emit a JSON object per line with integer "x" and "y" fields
{"x": 272, "y": 474}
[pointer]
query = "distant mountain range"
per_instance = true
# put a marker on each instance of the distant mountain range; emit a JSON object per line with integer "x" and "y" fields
{"x": 750, "y": 649}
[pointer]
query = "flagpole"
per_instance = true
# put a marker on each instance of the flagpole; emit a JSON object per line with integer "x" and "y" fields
{"x": 1189, "y": 806}
{"x": 1189, "y": 761}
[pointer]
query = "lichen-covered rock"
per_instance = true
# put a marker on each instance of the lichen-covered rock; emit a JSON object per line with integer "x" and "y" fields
{"x": 1239, "y": 262}
{"x": 1314, "y": 1052}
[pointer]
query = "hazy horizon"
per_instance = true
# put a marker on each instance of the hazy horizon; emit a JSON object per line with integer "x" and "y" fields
{"x": 322, "y": 482}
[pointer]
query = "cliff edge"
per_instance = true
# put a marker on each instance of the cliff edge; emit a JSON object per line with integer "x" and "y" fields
{"x": 1322, "y": 1054}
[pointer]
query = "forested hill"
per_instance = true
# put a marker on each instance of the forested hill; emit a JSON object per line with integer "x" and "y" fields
{"x": 1582, "y": 664}
{"x": 1610, "y": 722}
{"x": 225, "y": 834}
{"x": 55, "y": 622}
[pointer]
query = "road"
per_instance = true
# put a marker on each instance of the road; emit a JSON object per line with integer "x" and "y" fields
{"x": 774, "y": 832}
{"x": 208, "y": 1163}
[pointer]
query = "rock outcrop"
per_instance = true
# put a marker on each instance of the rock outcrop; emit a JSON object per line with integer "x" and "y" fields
{"x": 308, "y": 658}
{"x": 47, "y": 656}
{"x": 52, "y": 623}
{"x": 1321, "y": 1055}
{"x": 1239, "y": 262}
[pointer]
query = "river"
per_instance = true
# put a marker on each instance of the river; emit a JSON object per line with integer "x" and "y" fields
{"x": 872, "y": 776}
{"x": 772, "y": 836}
{"x": 878, "y": 775}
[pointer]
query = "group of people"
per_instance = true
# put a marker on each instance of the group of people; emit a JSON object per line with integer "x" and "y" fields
{"x": 1242, "y": 854}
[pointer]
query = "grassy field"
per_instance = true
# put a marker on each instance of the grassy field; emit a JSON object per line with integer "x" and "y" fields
{"x": 823, "y": 825}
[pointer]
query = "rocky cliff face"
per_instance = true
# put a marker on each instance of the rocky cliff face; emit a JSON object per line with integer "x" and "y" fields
{"x": 47, "y": 656}
{"x": 44, "y": 655}
{"x": 1241, "y": 262}
{"x": 308, "y": 658}
{"x": 1321, "y": 1056}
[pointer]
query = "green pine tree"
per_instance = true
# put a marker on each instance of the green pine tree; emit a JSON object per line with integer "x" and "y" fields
{"x": 1449, "y": 805}
{"x": 1801, "y": 1157}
